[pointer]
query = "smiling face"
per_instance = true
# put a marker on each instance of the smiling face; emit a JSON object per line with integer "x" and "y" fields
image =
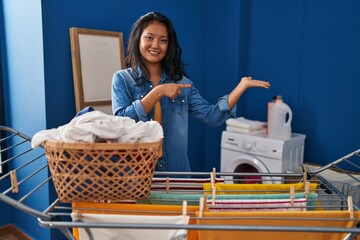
{"x": 154, "y": 42}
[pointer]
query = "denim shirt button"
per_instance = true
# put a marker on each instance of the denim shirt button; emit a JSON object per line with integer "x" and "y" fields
{"x": 150, "y": 85}
{"x": 141, "y": 96}
{"x": 183, "y": 100}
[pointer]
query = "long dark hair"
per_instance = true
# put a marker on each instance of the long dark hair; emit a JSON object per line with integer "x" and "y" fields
{"x": 172, "y": 63}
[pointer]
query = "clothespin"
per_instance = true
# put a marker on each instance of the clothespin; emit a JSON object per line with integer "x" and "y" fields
{"x": 78, "y": 214}
{"x": 167, "y": 185}
{"x": 213, "y": 188}
{"x": 292, "y": 195}
{"x": 212, "y": 178}
{"x": 201, "y": 206}
{"x": 184, "y": 208}
{"x": 307, "y": 189}
{"x": 350, "y": 206}
{"x": 213, "y": 196}
{"x": 214, "y": 175}
{"x": 14, "y": 182}
{"x": 205, "y": 200}
{"x": 305, "y": 177}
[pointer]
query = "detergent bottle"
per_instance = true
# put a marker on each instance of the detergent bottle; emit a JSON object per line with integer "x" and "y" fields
{"x": 271, "y": 103}
{"x": 279, "y": 122}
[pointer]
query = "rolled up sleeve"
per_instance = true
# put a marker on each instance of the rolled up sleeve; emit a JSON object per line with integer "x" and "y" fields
{"x": 122, "y": 105}
{"x": 140, "y": 111}
{"x": 224, "y": 106}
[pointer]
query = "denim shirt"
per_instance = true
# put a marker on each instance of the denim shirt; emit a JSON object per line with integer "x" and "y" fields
{"x": 126, "y": 101}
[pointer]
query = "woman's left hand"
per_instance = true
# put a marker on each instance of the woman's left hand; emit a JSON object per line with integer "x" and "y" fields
{"x": 248, "y": 82}
{"x": 245, "y": 83}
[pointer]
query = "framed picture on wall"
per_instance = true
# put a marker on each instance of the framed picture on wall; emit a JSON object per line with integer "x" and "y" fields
{"x": 96, "y": 56}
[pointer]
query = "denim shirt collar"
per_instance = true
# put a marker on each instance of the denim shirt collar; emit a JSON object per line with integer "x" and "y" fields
{"x": 140, "y": 78}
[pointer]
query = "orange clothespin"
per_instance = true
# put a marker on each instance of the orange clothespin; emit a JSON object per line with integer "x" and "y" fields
{"x": 14, "y": 182}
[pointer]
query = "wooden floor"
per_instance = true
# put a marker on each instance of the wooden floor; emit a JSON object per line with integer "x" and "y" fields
{"x": 9, "y": 237}
{"x": 11, "y": 232}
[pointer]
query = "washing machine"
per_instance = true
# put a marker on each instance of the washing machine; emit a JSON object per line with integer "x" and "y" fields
{"x": 259, "y": 154}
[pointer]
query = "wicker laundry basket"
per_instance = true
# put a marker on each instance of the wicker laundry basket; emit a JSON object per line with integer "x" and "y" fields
{"x": 102, "y": 171}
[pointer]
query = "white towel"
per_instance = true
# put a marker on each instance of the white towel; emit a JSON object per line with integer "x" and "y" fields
{"x": 258, "y": 205}
{"x": 134, "y": 234}
{"x": 181, "y": 184}
{"x": 98, "y": 126}
{"x": 242, "y": 122}
{"x": 245, "y": 130}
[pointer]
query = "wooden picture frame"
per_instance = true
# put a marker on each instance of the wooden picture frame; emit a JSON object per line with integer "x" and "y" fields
{"x": 96, "y": 56}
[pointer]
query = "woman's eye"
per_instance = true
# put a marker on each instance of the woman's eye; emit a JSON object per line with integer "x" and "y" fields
{"x": 149, "y": 37}
{"x": 164, "y": 41}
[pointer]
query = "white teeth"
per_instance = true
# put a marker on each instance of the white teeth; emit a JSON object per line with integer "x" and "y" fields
{"x": 154, "y": 52}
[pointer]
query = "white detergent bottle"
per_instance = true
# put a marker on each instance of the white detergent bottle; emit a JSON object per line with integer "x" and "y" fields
{"x": 279, "y": 123}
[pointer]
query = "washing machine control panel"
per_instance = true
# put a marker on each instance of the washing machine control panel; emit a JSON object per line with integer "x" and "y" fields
{"x": 253, "y": 145}
{"x": 262, "y": 148}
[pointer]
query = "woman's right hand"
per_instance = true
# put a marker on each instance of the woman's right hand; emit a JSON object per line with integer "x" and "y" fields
{"x": 172, "y": 90}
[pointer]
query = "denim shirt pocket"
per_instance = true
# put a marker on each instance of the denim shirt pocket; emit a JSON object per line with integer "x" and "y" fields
{"x": 139, "y": 93}
{"x": 180, "y": 104}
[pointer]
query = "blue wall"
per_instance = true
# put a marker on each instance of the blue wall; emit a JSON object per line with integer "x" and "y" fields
{"x": 222, "y": 66}
{"x": 6, "y": 211}
{"x": 308, "y": 50}
{"x": 24, "y": 88}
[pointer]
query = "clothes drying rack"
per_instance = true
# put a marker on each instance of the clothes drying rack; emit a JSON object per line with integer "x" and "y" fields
{"x": 22, "y": 166}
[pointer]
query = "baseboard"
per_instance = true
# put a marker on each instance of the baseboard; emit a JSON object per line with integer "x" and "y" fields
{"x": 13, "y": 232}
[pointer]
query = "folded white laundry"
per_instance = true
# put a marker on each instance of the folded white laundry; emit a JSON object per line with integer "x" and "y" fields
{"x": 98, "y": 126}
{"x": 242, "y": 122}
{"x": 134, "y": 234}
{"x": 245, "y": 130}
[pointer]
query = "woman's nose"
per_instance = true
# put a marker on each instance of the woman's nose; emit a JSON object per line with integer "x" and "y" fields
{"x": 155, "y": 44}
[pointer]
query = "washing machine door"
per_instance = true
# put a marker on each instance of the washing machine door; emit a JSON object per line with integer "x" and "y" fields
{"x": 244, "y": 163}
